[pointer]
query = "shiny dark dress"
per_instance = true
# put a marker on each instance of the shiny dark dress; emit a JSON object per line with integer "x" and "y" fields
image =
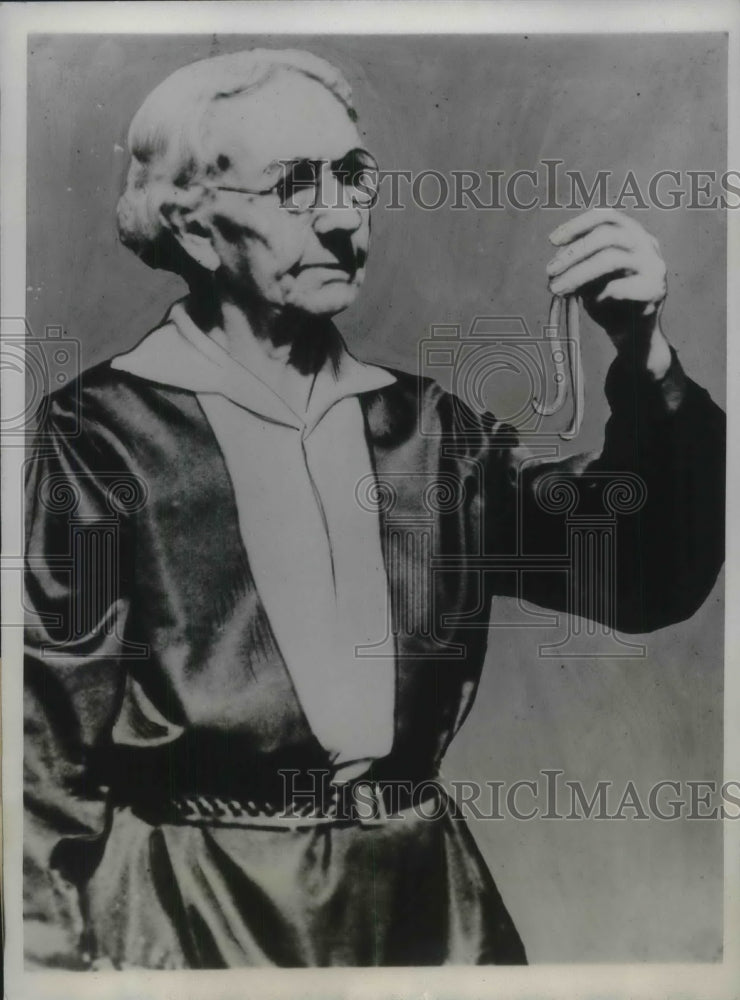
{"x": 151, "y": 669}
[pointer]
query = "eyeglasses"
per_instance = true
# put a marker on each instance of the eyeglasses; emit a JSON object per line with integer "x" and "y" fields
{"x": 299, "y": 188}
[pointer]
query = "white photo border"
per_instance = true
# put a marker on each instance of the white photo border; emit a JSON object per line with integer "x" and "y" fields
{"x": 17, "y": 21}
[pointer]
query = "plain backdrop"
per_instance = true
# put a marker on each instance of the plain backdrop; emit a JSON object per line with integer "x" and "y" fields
{"x": 579, "y": 891}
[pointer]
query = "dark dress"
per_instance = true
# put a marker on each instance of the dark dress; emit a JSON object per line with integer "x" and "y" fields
{"x": 151, "y": 670}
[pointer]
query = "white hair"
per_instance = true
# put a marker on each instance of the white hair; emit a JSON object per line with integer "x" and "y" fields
{"x": 166, "y": 139}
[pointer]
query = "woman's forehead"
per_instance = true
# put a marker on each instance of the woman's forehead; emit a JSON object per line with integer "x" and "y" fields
{"x": 291, "y": 117}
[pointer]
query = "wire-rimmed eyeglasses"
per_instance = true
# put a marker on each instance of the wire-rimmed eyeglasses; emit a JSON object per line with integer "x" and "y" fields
{"x": 301, "y": 187}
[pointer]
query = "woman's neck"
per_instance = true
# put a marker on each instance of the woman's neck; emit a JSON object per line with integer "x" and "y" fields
{"x": 284, "y": 350}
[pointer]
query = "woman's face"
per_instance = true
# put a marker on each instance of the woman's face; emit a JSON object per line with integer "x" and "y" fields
{"x": 312, "y": 260}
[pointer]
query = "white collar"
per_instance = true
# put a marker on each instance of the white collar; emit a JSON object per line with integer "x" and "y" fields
{"x": 179, "y": 354}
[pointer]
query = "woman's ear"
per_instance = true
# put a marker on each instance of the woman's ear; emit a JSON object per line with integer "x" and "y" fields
{"x": 191, "y": 234}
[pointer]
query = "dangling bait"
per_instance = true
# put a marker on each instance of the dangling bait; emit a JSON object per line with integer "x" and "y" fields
{"x": 567, "y": 350}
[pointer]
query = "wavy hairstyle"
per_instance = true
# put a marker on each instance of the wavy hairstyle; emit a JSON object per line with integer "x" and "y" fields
{"x": 167, "y": 140}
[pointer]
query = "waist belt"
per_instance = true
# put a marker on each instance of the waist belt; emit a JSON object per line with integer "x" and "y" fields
{"x": 364, "y": 803}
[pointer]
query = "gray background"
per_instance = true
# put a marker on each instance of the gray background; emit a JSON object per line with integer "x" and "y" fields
{"x": 578, "y": 890}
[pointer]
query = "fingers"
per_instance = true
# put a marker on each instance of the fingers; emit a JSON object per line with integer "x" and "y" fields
{"x": 586, "y": 246}
{"x": 598, "y": 266}
{"x": 634, "y": 288}
{"x": 604, "y": 243}
{"x": 587, "y": 221}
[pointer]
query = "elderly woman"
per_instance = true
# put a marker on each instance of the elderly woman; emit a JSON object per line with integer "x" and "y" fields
{"x": 257, "y": 625}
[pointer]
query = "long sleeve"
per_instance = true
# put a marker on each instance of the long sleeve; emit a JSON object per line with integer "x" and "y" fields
{"x": 651, "y": 507}
{"x": 76, "y": 609}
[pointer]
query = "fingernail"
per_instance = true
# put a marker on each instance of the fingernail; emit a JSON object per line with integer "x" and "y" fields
{"x": 556, "y": 235}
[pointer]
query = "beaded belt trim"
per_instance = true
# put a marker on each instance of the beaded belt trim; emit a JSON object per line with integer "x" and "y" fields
{"x": 363, "y": 803}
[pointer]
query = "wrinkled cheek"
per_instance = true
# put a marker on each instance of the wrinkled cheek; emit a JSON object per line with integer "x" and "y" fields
{"x": 261, "y": 256}
{"x": 266, "y": 267}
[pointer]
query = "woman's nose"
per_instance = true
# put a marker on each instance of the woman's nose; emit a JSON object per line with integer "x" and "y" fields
{"x": 335, "y": 208}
